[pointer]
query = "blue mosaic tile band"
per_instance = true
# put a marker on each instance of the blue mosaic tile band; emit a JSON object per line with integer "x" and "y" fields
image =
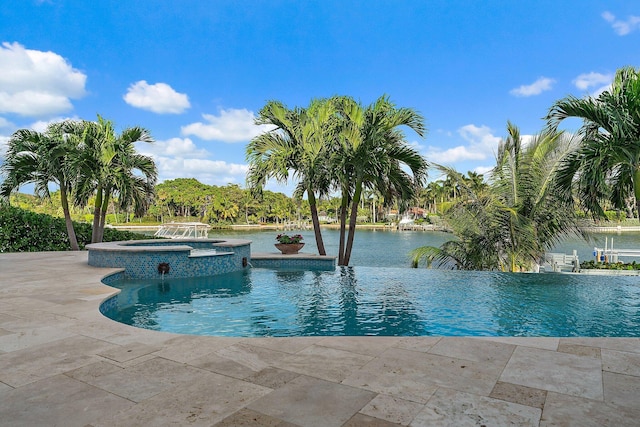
{"x": 140, "y": 261}
{"x": 295, "y": 263}
{"x": 114, "y": 277}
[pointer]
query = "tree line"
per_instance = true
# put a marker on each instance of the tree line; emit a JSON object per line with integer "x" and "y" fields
{"x": 187, "y": 199}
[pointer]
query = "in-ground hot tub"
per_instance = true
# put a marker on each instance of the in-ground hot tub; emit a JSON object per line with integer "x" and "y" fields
{"x": 141, "y": 259}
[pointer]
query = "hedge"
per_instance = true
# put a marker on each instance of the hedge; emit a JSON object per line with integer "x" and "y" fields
{"x": 26, "y": 231}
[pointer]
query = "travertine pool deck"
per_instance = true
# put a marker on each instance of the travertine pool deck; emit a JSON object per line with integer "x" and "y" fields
{"x": 62, "y": 363}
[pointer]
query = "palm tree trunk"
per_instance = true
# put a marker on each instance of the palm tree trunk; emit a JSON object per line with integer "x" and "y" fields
{"x": 373, "y": 210}
{"x": 316, "y": 222}
{"x": 96, "y": 216}
{"x": 636, "y": 189}
{"x": 73, "y": 240}
{"x": 343, "y": 224}
{"x": 103, "y": 215}
{"x": 352, "y": 222}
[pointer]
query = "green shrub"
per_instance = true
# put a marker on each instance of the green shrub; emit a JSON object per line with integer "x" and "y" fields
{"x": 615, "y": 215}
{"x": 590, "y": 265}
{"x": 26, "y": 231}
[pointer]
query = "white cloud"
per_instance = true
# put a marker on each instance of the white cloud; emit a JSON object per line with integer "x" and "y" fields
{"x": 483, "y": 170}
{"x": 212, "y": 172}
{"x": 4, "y": 142}
{"x": 35, "y": 83}
{"x": 175, "y": 147}
{"x": 622, "y": 28}
{"x": 159, "y": 98}
{"x": 4, "y": 123}
{"x": 594, "y": 82}
{"x": 232, "y": 125}
{"x": 416, "y": 145}
{"x": 482, "y": 144}
{"x": 180, "y": 157}
{"x": 535, "y": 88}
{"x": 586, "y": 81}
{"x": 41, "y": 125}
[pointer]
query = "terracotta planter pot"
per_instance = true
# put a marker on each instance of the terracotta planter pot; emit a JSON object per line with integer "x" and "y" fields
{"x": 289, "y": 248}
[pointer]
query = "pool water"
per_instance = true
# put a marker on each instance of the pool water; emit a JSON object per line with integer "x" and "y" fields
{"x": 356, "y": 301}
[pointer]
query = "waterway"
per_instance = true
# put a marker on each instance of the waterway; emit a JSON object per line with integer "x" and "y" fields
{"x": 391, "y": 248}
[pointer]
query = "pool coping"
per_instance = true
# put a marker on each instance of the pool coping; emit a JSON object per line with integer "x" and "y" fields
{"x": 53, "y": 338}
{"x": 155, "y": 245}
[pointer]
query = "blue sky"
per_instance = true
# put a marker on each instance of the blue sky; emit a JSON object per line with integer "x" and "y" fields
{"x": 195, "y": 72}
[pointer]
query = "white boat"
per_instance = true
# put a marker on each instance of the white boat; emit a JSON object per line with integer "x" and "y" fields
{"x": 183, "y": 230}
{"x": 406, "y": 223}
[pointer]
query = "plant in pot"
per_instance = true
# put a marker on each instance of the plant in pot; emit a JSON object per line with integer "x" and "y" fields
{"x": 289, "y": 244}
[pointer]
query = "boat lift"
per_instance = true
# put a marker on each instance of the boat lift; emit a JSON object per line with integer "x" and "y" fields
{"x": 611, "y": 255}
{"x": 183, "y": 230}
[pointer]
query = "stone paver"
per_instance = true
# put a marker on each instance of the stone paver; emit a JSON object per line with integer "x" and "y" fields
{"x": 621, "y": 390}
{"x": 580, "y": 350}
{"x": 203, "y": 402}
{"x": 63, "y": 363}
{"x": 519, "y": 394}
{"x": 436, "y": 370}
{"x": 555, "y": 371}
{"x": 455, "y": 408}
{"x": 313, "y": 402}
{"x": 58, "y": 400}
{"x": 392, "y": 409}
{"x": 272, "y": 377}
{"x": 248, "y": 418}
{"x": 477, "y": 350}
{"x": 570, "y": 411}
{"x": 121, "y": 382}
{"x": 621, "y": 362}
{"x": 324, "y": 362}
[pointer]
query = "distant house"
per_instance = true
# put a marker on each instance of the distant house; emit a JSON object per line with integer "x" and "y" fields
{"x": 393, "y": 214}
{"x": 416, "y": 212}
{"x": 323, "y": 217}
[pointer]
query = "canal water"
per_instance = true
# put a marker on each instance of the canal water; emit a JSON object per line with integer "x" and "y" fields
{"x": 391, "y": 248}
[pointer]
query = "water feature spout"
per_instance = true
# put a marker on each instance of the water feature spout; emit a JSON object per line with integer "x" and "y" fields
{"x": 163, "y": 268}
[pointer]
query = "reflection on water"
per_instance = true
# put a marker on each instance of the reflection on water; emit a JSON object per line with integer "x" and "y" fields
{"x": 384, "y": 301}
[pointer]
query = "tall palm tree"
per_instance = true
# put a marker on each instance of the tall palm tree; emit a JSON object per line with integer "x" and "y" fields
{"x": 521, "y": 215}
{"x": 109, "y": 166}
{"x": 607, "y": 164}
{"x": 299, "y": 144}
{"x": 476, "y": 181}
{"x": 373, "y": 154}
{"x": 433, "y": 192}
{"x": 42, "y": 158}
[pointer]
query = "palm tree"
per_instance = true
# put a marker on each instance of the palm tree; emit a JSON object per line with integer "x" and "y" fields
{"x": 432, "y": 193}
{"x": 41, "y": 158}
{"x": 518, "y": 217}
{"x": 476, "y": 181}
{"x": 108, "y": 166}
{"x": 373, "y": 154}
{"x": 607, "y": 164}
{"x": 298, "y": 143}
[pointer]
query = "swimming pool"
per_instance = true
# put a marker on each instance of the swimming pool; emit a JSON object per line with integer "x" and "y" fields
{"x": 356, "y": 301}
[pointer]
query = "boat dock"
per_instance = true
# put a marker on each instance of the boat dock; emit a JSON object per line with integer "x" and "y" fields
{"x": 558, "y": 262}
